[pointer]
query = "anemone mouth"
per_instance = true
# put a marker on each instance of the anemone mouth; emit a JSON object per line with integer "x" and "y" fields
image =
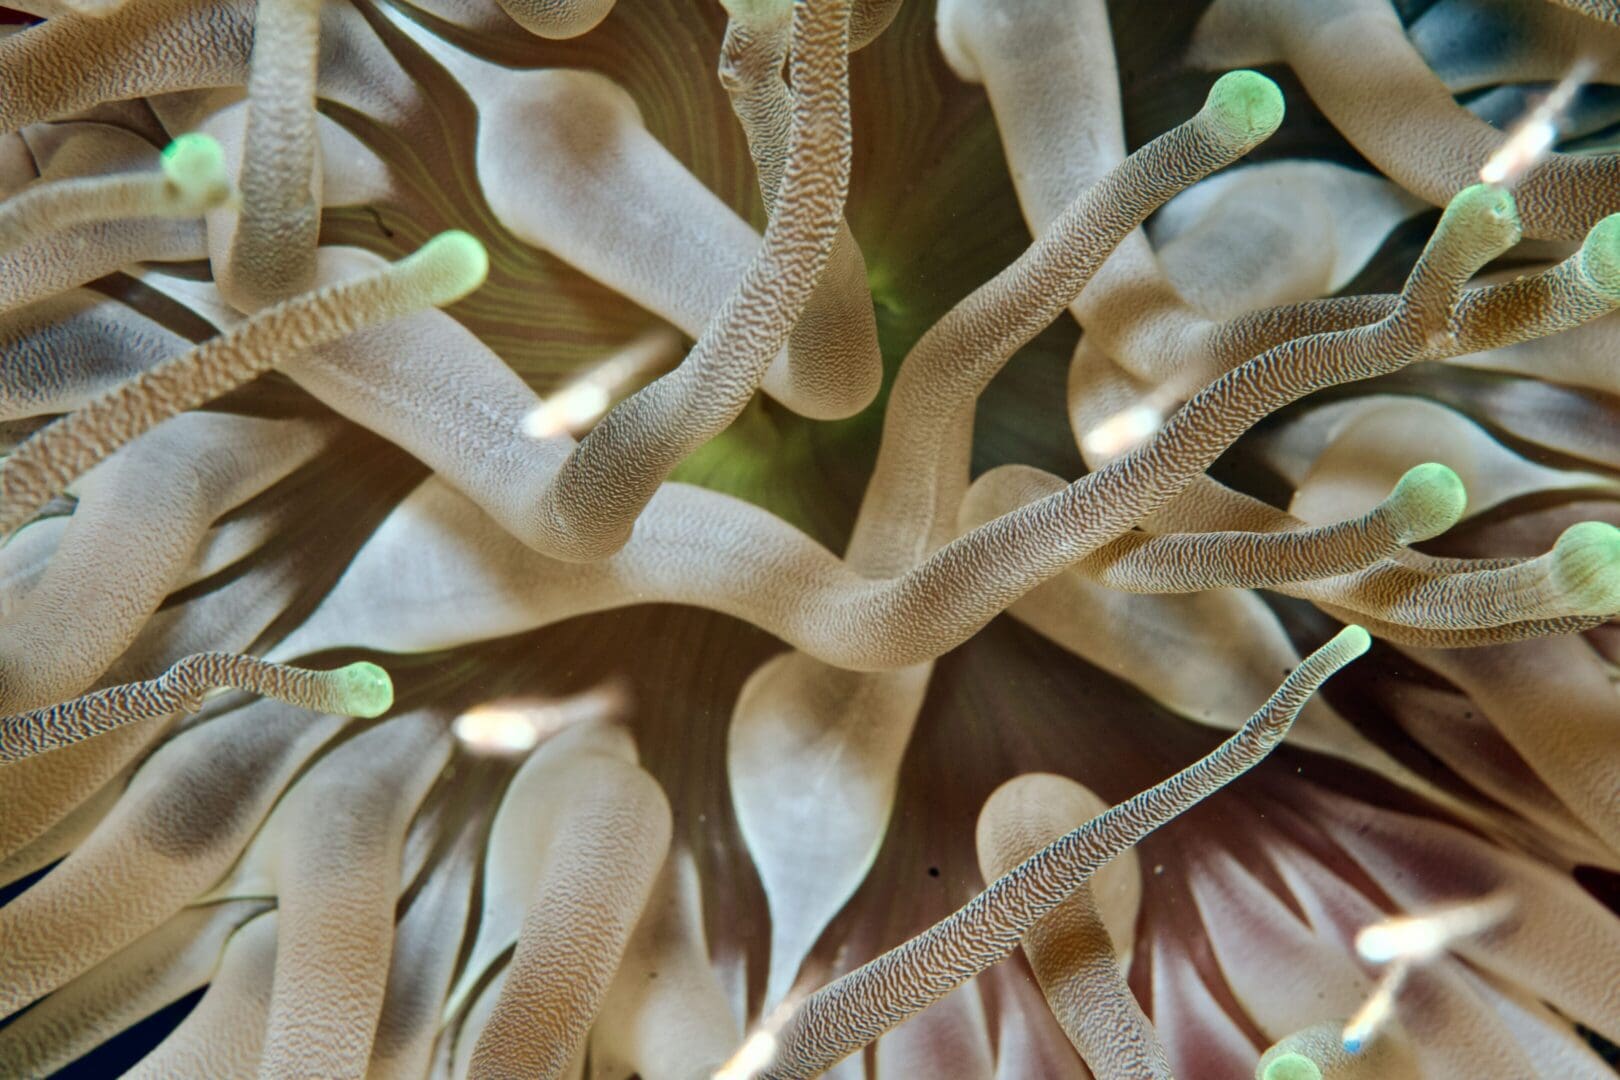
{"x": 546, "y": 537}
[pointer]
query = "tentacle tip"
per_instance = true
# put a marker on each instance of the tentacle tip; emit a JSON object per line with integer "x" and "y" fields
{"x": 195, "y": 163}
{"x": 1431, "y": 498}
{"x": 1490, "y": 209}
{"x": 1600, "y": 255}
{"x": 1247, "y": 104}
{"x": 462, "y": 259}
{"x": 364, "y": 689}
{"x": 1352, "y": 641}
{"x": 1289, "y": 1066}
{"x": 1586, "y": 567}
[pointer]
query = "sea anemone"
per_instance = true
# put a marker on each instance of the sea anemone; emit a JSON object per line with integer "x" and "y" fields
{"x": 771, "y": 538}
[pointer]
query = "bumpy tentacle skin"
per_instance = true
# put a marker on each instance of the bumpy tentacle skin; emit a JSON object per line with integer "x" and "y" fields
{"x": 846, "y": 1014}
{"x": 361, "y": 689}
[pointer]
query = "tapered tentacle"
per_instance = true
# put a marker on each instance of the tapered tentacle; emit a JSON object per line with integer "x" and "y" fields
{"x": 223, "y": 1036}
{"x": 851, "y": 1011}
{"x": 1428, "y": 500}
{"x": 427, "y": 943}
{"x": 836, "y": 739}
{"x": 1557, "y": 944}
{"x": 1606, "y": 10}
{"x": 333, "y": 848}
{"x": 1318, "y": 1053}
{"x": 78, "y": 154}
{"x": 443, "y": 270}
{"x": 184, "y": 819}
{"x": 561, "y": 153}
{"x": 1559, "y": 592}
{"x": 514, "y": 859}
{"x": 64, "y": 835}
{"x": 41, "y": 791}
{"x": 1572, "y": 762}
{"x": 1578, "y": 579}
{"x": 612, "y": 834}
{"x": 588, "y": 510}
{"x": 665, "y": 1017}
{"x": 557, "y": 18}
{"x": 155, "y": 970}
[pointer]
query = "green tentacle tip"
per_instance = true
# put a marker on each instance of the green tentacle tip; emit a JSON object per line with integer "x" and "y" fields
{"x": 364, "y": 689}
{"x": 1353, "y": 640}
{"x": 196, "y": 164}
{"x": 1247, "y": 103}
{"x": 1291, "y": 1066}
{"x": 1586, "y": 567}
{"x": 460, "y": 257}
{"x": 1483, "y": 206}
{"x": 1600, "y": 255}
{"x": 1431, "y": 498}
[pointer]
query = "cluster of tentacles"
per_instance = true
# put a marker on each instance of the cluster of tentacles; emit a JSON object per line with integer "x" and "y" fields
{"x": 436, "y": 876}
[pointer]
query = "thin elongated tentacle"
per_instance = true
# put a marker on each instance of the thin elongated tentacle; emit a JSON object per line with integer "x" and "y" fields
{"x": 80, "y": 155}
{"x": 191, "y": 181}
{"x": 930, "y": 410}
{"x": 1606, "y": 10}
{"x": 1428, "y": 500}
{"x": 1071, "y": 950}
{"x": 587, "y": 511}
{"x": 853, "y": 1010}
{"x": 1578, "y": 579}
{"x": 440, "y": 272}
{"x": 1318, "y": 1053}
{"x": 1572, "y": 587}
{"x": 146, "y": 510}
{"x": 360, "y": 689}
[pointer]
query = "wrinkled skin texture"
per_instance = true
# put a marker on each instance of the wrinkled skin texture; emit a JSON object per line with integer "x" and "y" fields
{"x": 986, "y": 410}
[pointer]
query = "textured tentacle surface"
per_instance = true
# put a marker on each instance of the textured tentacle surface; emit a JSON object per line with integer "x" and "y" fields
{"x": 272, "y": 249}
{"x": 1070, "y": 949}
{"x": 596, "y": 876}
{"x": 851, "y": 1011}
{"x": 252, "y": 443}
{"x": 442, "y": 271}
{"x": 361, "y": 689}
